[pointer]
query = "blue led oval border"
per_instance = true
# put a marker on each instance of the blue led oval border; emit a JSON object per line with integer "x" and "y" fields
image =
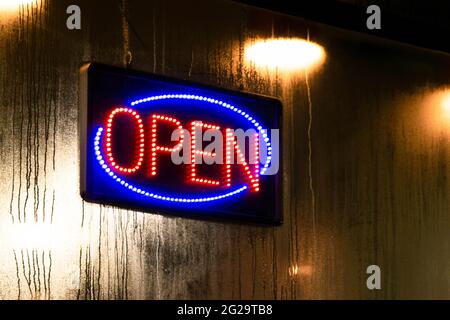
{"x": 154, "y": 195}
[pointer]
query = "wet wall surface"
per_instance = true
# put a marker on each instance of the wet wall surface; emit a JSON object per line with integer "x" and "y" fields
{"x": 366, "y": 162}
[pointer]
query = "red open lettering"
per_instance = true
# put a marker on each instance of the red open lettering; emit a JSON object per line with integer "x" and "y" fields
{"x": 197, "y": 152}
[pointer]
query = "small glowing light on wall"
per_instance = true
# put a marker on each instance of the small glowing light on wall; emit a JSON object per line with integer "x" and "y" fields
{"x": 285, "y": 54}
{"x": 32, "y": 235}
{"x": 14, "y": 4}
{"x": 9, "y": 9}
{"x": 446, "y": 106}
{"x": 296, "y": 270}
{"x": 433, "y": 111}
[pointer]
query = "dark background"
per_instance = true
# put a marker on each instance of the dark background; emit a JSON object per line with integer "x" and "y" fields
{"x": 417, "y": 22}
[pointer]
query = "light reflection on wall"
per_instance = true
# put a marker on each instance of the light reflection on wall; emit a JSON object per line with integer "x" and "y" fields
{"x": 10, "y": 9}
{"x": 284, "y": 55}
{"x": 30, "y": 235}
{"x": 436, "y": 111}
{"x": 296, "y": 270}
{"x": 11, "y": 5}
{"x": 446, "y": 106}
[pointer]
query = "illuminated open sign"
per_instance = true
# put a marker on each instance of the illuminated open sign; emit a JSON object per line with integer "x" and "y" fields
{"x": 162, "y": 145}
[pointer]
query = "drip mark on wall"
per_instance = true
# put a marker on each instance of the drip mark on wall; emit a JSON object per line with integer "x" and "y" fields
{"x": 311, "y": 185}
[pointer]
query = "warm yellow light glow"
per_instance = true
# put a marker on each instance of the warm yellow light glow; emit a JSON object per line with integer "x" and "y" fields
{"x": 296, "y": 270}
{"x": 32, "y": 235}
{"x": 446, "y": 106}
{"x": 14, "y": 4}
{"x": 285, "y": 54}
{"x": 435, "y": 111}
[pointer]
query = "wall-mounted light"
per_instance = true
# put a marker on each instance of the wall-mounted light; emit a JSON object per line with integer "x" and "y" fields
{"x": 14, "y": 4}
{"x": 446, "y": 106}
{"x": 433, "y": 111}
{"x": 284, "y": 54}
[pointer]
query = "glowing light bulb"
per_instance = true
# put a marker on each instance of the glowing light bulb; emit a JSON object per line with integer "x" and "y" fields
{"x": 285, "y": 54}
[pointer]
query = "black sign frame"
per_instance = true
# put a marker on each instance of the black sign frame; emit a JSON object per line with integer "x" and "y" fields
{"x": 88, "y": 87}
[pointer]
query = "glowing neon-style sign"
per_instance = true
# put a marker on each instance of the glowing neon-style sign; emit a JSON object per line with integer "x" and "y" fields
{"x": 127, "y": 147}
{"x": 114, "y": 169}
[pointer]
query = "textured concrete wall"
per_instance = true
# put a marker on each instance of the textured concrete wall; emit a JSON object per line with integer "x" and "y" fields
{"x": 367, "y": 162}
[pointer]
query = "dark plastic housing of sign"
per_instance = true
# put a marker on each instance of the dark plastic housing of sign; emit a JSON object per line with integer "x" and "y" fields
{"x": 127, "y": 119}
